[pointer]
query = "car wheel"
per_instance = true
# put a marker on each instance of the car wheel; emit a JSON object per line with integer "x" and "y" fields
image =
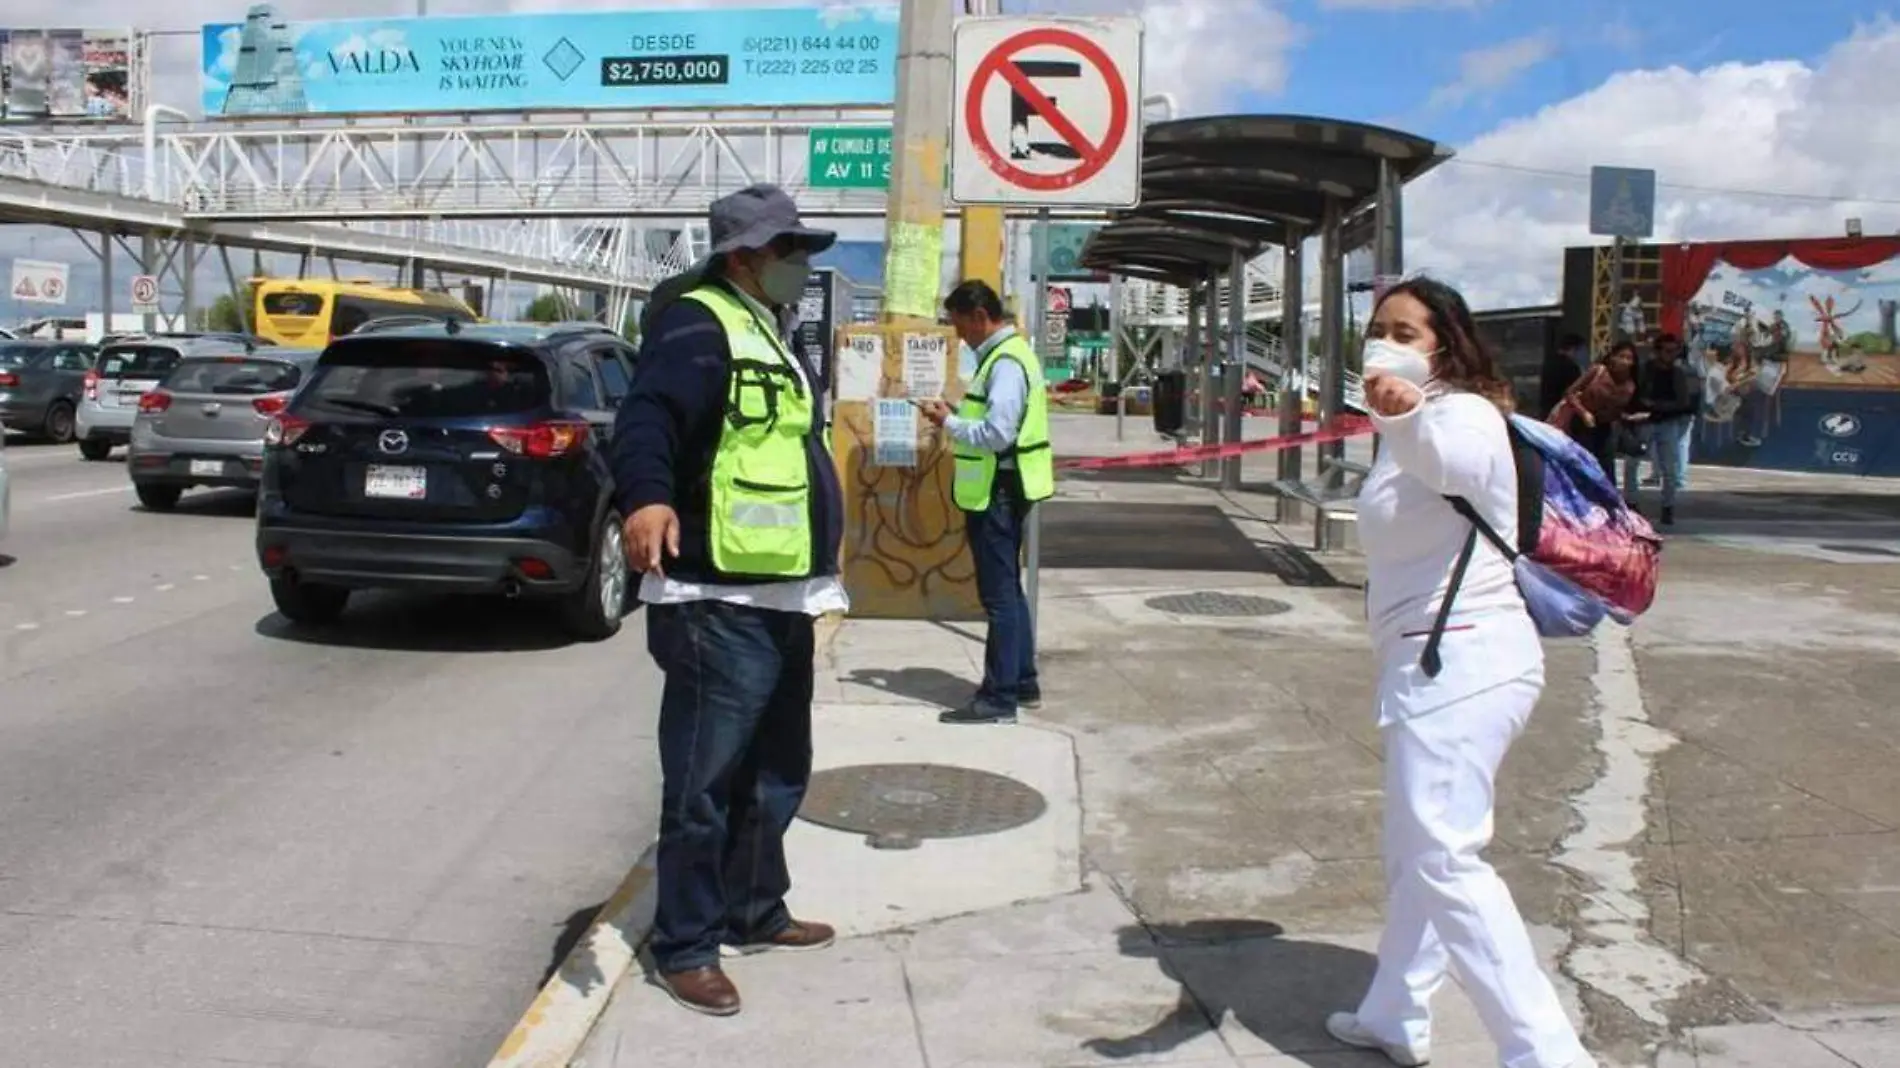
{"x": 158, "y": 498}
{"x": 592, "y": 612}
{"x": 308, "y": 604}
{"x": 95, "y": 448}
{"x": 59, "y": 423}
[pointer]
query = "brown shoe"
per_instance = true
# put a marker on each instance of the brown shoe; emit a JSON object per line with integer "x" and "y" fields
{"x": 705, "y": 990}
{"x": 801, "y": 936}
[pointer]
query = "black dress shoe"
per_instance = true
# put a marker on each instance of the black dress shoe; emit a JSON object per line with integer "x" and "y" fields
{"x": 977, "y": 713}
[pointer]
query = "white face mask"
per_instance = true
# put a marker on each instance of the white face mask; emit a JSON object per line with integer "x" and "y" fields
{"x": 1399, "y": 361}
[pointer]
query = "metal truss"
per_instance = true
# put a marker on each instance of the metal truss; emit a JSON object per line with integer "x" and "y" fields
{"x": 1156, "y": 304}
{"x": 101, "y": 181}
{"x": 643, "y": 166}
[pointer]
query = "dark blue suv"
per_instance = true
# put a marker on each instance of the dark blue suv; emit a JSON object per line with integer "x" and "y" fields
{"x": 450, "y": 457}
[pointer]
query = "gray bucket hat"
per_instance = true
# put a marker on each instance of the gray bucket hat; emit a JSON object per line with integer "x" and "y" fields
{"x": 756, "y": 216}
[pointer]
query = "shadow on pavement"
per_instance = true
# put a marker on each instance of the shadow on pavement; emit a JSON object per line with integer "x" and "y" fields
{"x": 421, "y": 624}
{"x": 933, "y": 686}
{"x": 1280, "y": 989}
{"x": 232, "y": 504}
{"x": 571, "y": 934}
{"x": 1112, "y": 535}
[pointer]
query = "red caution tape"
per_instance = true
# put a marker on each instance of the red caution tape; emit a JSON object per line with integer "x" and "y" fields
{"x": 1350, "y": 426}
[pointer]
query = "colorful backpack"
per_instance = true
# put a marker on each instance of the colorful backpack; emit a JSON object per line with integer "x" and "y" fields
{"x": 1581, "y": 553}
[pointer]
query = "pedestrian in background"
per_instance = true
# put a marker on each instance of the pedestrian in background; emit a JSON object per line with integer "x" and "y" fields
{"x": 1449, "y": 708}
{"x": 736, "y": 518}
{"x": 1592, "y": 409}
{"x": 1667, "y": 399}
{"x": 1000, "y": 437}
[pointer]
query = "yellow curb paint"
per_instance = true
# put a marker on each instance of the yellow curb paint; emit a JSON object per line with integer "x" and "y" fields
{"x": 559, "y": 1019}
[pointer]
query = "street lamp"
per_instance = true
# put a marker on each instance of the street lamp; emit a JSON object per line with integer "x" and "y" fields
{"x": 151, "y": 145}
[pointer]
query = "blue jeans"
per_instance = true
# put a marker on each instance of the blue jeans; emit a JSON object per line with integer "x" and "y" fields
{"x": 1668, "y": 448}
{"x": 735, "y": 757}
{"x": 996, "y": 543}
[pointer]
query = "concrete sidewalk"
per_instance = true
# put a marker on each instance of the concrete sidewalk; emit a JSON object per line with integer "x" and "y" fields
{"x": 1204, "y": 884}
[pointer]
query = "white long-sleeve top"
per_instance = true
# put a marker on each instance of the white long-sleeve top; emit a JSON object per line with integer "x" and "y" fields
{"x": 1453, "y": 444}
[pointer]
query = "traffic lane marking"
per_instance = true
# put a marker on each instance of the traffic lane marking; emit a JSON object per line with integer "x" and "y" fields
{"x": 78, "y": 495}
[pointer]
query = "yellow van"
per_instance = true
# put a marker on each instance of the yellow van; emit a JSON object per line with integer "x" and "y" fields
{"x": 309, "y": 313}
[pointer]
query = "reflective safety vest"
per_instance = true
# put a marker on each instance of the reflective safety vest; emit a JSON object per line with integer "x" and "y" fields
{"x": 759, "y": 523}
{"x": 976, "y": 468}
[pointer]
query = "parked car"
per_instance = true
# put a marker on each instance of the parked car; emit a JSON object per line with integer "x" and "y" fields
{"x": 204, "y": 425}
{"x": 40, "y": 385}
{"x": 125, "y": 371}
{"x": 452, "y": 458}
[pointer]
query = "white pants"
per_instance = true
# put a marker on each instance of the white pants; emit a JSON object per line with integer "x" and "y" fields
{"x": 1447, "y": 907}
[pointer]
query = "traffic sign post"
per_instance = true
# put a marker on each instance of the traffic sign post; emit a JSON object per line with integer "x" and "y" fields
{"x": 1047, "y": 112}
{"x": 38, "y": 282}
{"x": 849, "y": 157}
{"x": 144, "y": 294}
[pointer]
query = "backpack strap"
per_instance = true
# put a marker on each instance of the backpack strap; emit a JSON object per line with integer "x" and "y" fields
{"x": 1430, "y": 659}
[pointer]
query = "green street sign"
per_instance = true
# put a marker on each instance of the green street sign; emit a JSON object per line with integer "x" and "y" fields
{"x": 849, "y": 157}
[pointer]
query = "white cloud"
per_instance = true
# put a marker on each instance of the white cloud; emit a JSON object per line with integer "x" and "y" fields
{"x": 1486, "y": 70}
{"x": 1733, "y": 132}
{"x": 1206, "y": 53}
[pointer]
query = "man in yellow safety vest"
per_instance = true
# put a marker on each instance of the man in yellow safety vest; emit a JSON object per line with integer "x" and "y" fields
{"x": 735, "y": 515}
{"x": 1000, "y": 434}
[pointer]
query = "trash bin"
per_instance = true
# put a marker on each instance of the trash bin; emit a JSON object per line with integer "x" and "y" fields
{"x": 1170, "y": 402}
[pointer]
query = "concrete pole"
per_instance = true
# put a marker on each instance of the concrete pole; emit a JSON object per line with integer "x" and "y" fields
{"x": 190, "y": 280}
{"x": 1237, "y": 363}
{"x": 107, "y": 295}
{"x": 1293, "y": 359}
{"x": 1194, "y": 416}
{"x": 148, "y": 264}
{"x": 1119, "y": 376}
{"x": 914, "y": 220}
{"x": 1332, "y": 329}
{"x": 1210, "y": 365}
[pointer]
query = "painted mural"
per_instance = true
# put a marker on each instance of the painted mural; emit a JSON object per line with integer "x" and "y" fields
{"x": 1796, "y": 345}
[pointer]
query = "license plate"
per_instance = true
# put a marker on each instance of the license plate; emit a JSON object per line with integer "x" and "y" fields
{"x": 207, "y": 468}
{"x": 397, "y": 483}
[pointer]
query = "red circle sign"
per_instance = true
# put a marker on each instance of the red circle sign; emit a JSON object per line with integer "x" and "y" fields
{"x": 144, "y": 290}
{"x": 999, "y": 64}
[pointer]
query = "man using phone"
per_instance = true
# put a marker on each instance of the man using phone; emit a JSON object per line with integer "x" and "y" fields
{"x": 1003, "y": 467}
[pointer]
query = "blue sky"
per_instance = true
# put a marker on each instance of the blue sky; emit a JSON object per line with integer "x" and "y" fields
{"x": 1379, "y": 64}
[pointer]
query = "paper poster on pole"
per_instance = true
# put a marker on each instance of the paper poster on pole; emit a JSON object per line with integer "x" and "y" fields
{"x": 860, "y": 367}
{"x": 913, "y": 270}
{"x": 894, "y": 434}
{"x": 923, "y": 364}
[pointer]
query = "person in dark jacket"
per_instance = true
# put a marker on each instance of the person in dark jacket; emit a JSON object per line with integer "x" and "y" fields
{"x": 734, "y": 514}
{"x": 1667, "y": 399}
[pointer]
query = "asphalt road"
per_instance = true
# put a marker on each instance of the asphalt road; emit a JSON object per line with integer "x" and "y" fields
{"x": 226, "y": 843}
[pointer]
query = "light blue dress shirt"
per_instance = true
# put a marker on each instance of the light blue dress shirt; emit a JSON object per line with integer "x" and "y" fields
{"x": 1008, "y": 392}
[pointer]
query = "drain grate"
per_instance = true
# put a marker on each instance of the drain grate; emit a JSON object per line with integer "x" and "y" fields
{"x": 1215, "y": 603}
{"x": 898, "y": 805}
{"x": 1860, "y": 550}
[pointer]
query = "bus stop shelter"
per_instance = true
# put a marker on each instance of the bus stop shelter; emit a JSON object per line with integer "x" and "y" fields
{"x": 1219, "y": 191}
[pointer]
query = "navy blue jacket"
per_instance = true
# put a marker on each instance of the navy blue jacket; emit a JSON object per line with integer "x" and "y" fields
{"x": 668, "y": 429}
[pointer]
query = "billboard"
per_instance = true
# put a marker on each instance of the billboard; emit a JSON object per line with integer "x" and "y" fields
{"x": 597, "y": 61}
{"x": 65, "y": 75}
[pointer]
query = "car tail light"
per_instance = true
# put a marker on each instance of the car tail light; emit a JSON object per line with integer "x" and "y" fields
{"x": 542, "y": 441}
{"x": 92, "y": 385}
{"x": 272, "y": 404}
{"x": 285, "y": 430}
{"x": 8, "y": 378}
{"x": 155, "y": 401}
{"x": 534, "y": 569}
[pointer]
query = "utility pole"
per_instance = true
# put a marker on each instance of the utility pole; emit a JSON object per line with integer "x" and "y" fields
{"x": 913, "y": 253}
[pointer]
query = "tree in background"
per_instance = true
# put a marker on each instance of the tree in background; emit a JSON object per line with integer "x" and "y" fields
{"x": 552, "y": 308}
{"x": 224, "y": 315}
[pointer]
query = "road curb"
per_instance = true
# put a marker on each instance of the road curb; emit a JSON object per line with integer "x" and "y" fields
{"x": 555, "y": 1027}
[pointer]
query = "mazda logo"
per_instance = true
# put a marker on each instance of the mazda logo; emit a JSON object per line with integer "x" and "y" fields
{"x": 1840, "y": 425}
{"x": 393, "y": 442}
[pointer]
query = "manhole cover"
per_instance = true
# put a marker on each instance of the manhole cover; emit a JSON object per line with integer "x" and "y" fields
{"x": 1213, "y": 603}
{"x": 897, "y": 805}
{"x": 1861, "y": 550}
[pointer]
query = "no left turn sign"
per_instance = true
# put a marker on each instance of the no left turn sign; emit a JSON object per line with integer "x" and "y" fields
{"x": 1047, "y": 112}
{"x": 144, "y": 293}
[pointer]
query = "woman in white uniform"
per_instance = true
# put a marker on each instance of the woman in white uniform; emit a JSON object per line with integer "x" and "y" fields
{"x": 1435, "y": 399}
